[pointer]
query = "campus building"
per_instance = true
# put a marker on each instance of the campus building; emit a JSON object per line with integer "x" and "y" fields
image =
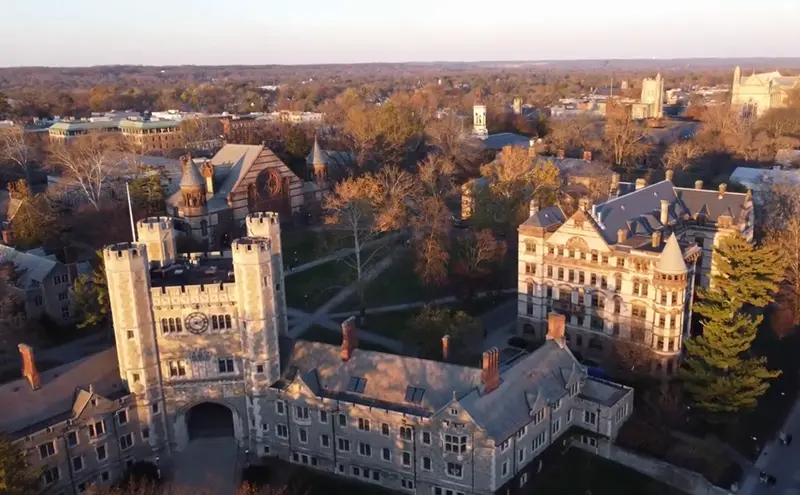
{"x": 755, "y": 94}
{"x": 202, "y": 349}
{"x": 624, "y": 271}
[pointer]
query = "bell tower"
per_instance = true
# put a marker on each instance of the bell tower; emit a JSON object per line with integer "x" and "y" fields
{"x": 479, "y": 117}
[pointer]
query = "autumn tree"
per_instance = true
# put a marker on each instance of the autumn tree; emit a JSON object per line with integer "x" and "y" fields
{"x": 572, "y": 135}
{"x": 15, "y": 476}
{"x": 624, "y": 139}
{"x": 681, "y": 154}
{"x": 434, "y": 322}
{"x": 90, "y": 165}
{"x": 783, "y": 235}
{"x": 509, "y": 184}
{"x": 720, "y": 374}
{"x": 36, "y": 221}
{"x": 381, "y": 135}
{"x": 477, "y": 254}
{"x": 199, "y": 132}
{"x": 452, "y": 142}
{"x": 363, "y": 207}
{"x": 431, "y": 219}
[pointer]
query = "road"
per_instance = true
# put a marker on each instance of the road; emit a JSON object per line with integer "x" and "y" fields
{"x": 500, "y": 324}
{"x": 779, "y": 461}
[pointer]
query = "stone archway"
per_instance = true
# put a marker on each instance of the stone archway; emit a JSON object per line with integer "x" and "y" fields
{"x": 209, "y": 420}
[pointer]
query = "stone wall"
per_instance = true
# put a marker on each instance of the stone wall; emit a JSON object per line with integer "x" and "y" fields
{"x": 674, "y": 476}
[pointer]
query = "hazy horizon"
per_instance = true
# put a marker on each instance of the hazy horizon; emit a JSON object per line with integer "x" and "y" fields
{"x": 252, "y": 32}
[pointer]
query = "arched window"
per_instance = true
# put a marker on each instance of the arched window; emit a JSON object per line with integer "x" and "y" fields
{"x": 172, "y": 324}
{"x": 178, "y": 325}
{"x": 164, "y": 325}
{"x": 214, "y": 322}
{"x": 530, "y": 289}
{"x": 228, "y": 321}
{"x": 617, "y": 305}
{"x": 636, "y": 286}
{"x": 617, "y": 283}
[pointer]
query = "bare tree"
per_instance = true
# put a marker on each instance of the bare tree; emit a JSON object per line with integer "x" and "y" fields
{"x": 569, "y": 134}
{"x": 363, "y": 207}
{"x": 624, "y": 138}
{"x": 679, "y": 155}
{"x": 477, "y": 253}
{"x": 90, "y": 165}
{"x": 18, "y": 148}
{"x": 454, "y": 143}
{"x": 200, "y": 132}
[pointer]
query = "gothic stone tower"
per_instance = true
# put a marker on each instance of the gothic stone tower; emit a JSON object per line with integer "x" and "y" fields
{"x": 199, "y": 332}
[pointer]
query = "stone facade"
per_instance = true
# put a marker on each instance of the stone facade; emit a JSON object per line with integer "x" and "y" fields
{"x": 653, "y": 97}
{"x": 756, "y": 94}
{"x": 625, "y": 270}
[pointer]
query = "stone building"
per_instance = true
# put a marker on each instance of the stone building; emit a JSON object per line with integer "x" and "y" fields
{"x": 147, "y": 135}
{"x": 753, "y": 95}
{"x": 215, "y": 196}
{"x": 652, "y": 98}
{"x": 479, "y": 128}
{"x": 626, "y": 269}
{"x": 201, "y": 349}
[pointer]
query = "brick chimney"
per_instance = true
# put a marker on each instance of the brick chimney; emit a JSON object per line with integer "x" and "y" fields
{"x": 559, "y": 153}
{"x": 556, "y": 328}
{"x": 446, "y": 348}
{"x": 722, "y": 189}
{"x": 587, "y": 156}
{"x": 622, "y": 236}
{"x": 640, "y": 183}
{"x": 669, "y": 174}
{"x": 29, "y": 371}
{"x": 698, "y": 184}
{"x": 349, "y": 338}
{"x": 656, "y": 239}
{"x": 490, "y": 374}
{"x": 664, "y": 212}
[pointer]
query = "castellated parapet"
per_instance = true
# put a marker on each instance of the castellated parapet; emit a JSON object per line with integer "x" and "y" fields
{"x": 158, "y": 233}
{"x": 265, "y": 224}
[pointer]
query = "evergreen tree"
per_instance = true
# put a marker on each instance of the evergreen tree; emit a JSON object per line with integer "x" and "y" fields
{"x": 90, "y": 296}
{"x": 747, "y": 274}
{"x": 720, "y": 374}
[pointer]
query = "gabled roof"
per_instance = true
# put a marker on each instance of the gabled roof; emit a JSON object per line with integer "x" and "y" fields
{"x": 63, "y": 389}
{"x": 712, "y": 203}
{"x": 232, "y": 162}
{"x": 33, "y": 268}
{"x": 671, "y": 260}
{"x": 546, "y": 217}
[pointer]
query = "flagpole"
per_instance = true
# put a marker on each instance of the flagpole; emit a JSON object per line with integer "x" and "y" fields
{"x": 130, "y": 211}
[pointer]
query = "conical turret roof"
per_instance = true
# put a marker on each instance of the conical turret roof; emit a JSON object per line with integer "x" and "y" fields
{"x": 319, "y": 155}
{"x": 191, "y": 176}
{"x": 671, "y": 260}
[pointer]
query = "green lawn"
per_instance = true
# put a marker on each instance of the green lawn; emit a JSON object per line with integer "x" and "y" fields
{"x": 581, "y": 473}
{"x": 311, "y": 288}
{"x": 307, "y": 245}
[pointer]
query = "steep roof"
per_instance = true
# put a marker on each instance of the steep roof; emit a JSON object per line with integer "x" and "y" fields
{"x": 318, "y": 156}
{"x": 26, "y": 410}
{"x": 34, "y": 268}
{"x": 191, "y": 177}
{"x": 671, "y": 260}
{"x": 546, "y": 217}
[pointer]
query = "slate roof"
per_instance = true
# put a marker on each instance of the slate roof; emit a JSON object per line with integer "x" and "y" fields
{"x": 32, "y": 268}
{"x": 671, "y": 260}
{"x": 539, "y": 376}
{"x": 546, "y": 217}
{"x": 503, "y": 139}
{"x": 26, "y": 410}
{"x": 639, "y": 211}
{"x": 191, "y": 177}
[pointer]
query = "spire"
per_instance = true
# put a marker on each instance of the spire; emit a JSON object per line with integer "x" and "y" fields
{"x": 319, "y": 156}
{"x": 671, "y": 260}
{"x": 191, "y": 177}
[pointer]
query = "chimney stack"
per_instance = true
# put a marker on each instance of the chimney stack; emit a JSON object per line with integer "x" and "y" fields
{"x": 532, "y": 148}
{"x": 656, "y": 239}
{"x": 622, "y": 236}
{"x": 698, "y": 184}
{"x": 29, "y": 371}
{"x": 722, "y": 188}
{"x": 585, "y": 204}
{"x": 556, "y": 328}
{"x": 669, "y": 174}
{"x": 640, "y": 183}
{"x": 349, "y": 338}
{"x": 664, "y": 212}
{"x": 587, "y": 156}
{"x": 533, "y": 208}
{"x": 446, "y": 348}
{"x": 490, "y": 374}
{"x": 559, "y": 153}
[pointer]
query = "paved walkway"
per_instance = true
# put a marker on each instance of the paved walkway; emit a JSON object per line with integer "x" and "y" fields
{"x": 208, "y": 465}
{"x": 338, "y": 255}
{"x": 780, "y": 461}
{"x": 411, "y": 305}
{"x": 324, "y": 321}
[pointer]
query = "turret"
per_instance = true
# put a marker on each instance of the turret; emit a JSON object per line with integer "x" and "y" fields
{"x": 128, "y": 274}
{"x": 320, "y": 166}
{"x": 268, "y": 225}
{"x": 193, "y": 185}
{"x": 158, "y": 234}
{"x": 256, "y": 285}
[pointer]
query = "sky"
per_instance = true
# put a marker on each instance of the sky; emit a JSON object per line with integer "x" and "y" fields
{"x": 224, "y": 32}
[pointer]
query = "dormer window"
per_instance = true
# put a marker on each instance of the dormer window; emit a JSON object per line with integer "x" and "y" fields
{"x": 357, "y": 384}
{"x": 453, "y": 411}
{"x": 414, "y": 394}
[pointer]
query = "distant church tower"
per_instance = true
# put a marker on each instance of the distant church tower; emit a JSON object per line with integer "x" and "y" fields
{"x": 320, "y": 167}
{"x": 653, "y": 96}
{"x": 479, "y": 118}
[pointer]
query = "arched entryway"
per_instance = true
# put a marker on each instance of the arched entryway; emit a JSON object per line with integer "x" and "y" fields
{"x": 209, "y": 420}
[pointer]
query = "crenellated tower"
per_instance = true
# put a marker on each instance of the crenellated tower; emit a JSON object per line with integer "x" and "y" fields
{"x": 128, "y": 275}
{"x": 268, "y": 225}
{"x": 158, "y": 234}
{"x": 255, "y": 289}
